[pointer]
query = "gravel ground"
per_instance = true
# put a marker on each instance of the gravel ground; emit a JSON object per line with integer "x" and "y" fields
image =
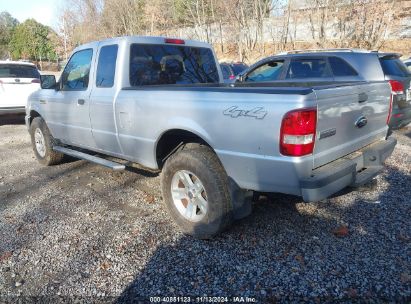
{"x": 80, "y": 230}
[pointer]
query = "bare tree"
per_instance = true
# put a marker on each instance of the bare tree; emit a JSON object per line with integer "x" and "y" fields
{"x": 366, "y": 24}
{"x": 352, "y": 23}
{"x": 242, "y": 27}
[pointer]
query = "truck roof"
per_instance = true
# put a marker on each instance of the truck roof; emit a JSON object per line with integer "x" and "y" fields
{"x": 17, "y": 62}
{"x": 146, "y": 40}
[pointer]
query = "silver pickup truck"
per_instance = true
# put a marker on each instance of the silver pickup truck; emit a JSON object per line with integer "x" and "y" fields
{"x": 161, "y": 103}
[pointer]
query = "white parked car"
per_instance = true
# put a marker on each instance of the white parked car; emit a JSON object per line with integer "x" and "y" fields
{"x": 17, "y": 81}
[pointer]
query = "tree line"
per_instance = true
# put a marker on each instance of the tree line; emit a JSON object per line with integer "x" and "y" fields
{"x": 29, "y": 40}
{"x": 245, "y": 29}
{"x": 85, "y": 20}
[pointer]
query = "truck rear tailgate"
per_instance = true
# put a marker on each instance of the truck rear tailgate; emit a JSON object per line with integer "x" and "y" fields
{"x": 349, "y": 118}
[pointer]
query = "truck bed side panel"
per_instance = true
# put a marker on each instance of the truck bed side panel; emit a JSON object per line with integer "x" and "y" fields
{"x": 242, "y": 125}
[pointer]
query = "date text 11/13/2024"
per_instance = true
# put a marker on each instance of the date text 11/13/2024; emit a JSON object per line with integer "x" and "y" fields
{"x": 202, "y": 299}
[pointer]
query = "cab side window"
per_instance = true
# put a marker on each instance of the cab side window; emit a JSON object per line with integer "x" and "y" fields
{"x": 106, "y": 67}
{"x": 75, "y": 76}
{"x": 307, "y": 68}
{"x": 341, "y": 68}
{"x": 269, "y": 71}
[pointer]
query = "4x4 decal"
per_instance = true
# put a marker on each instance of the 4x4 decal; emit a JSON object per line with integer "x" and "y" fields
{"x": 234, "y": 112}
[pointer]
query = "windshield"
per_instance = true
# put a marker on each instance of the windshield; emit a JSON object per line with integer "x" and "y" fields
{"x": 171, "y": 64}
{"x": 18, "y": 71}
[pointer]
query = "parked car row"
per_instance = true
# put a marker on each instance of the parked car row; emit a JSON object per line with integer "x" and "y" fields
{"x": 305, "y": 123}
{"x": 18, "y": 79}
{"x": 338, "y": 65}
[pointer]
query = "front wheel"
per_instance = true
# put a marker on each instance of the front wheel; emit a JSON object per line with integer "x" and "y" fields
{"x": 43, "y": 142}
{"x": 195, "y": 191}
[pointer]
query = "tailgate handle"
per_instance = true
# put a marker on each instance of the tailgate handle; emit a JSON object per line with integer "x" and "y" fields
{"x": 362, "y": 97}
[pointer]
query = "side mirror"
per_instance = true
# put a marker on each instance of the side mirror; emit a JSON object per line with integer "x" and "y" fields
{"x": 48, "y": 82}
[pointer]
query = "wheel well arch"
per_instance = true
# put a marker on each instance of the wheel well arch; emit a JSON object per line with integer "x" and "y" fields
{"x": 34, "y": 114}
{"x": 171, "y": 140}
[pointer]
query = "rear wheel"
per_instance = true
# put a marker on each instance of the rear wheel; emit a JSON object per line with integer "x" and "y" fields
{"x": 195, "y": 191}
{"x": 43, "y": 143}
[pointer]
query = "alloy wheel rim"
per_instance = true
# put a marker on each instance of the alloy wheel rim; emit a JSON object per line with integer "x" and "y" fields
{"x": 189, "y": 195}
{"x": 40, "y": 142}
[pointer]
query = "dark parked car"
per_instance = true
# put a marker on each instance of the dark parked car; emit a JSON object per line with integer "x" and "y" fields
{"x": 408, "y": 63}
{"x": 399, "y": 76}
{"x": 231, "y": 70}
{"x": 337, "y": 65}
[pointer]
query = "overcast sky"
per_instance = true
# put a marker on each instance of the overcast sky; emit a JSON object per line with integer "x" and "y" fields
{"x": 44, "y": 11}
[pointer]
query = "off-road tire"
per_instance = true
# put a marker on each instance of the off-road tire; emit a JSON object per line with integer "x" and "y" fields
{"x": 51, "y": 157}
{"x": 204, "y": 163}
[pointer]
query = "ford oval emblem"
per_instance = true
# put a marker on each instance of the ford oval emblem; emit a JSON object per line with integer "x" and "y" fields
{"x": 361, "y": 122}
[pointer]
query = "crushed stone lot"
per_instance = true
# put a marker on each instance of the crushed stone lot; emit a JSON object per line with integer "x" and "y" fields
{"x": 80, "y": 230}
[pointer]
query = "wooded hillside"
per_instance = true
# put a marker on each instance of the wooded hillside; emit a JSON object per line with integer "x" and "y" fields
{"x": 243, "y": 29}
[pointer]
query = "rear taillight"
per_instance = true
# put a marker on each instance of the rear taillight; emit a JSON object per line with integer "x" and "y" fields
{"x": 1, "y": 81}
{"x": 396, "y": 87}
{"x": 389, "y": 111}
{"x": 35, "y": 81}
{"x": 298, "y": 132}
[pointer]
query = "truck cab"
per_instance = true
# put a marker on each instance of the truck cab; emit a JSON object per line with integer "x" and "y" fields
{"x": 80, "y": 106}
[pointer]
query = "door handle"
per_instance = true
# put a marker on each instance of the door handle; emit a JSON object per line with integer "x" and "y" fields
{"x": 362, "y": 97}
{"x": 81, "y": 102}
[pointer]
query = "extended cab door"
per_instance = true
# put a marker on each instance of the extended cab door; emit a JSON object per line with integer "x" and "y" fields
{"x": 103, "y": 99}
{"x": 67, "y": 108}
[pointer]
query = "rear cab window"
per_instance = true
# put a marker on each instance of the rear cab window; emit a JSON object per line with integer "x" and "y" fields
{"x": 307, "y": 68}
{"x": 18, "y": 71}
{"x": 152, "y": 64}
{"x": 394, "y": 67}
